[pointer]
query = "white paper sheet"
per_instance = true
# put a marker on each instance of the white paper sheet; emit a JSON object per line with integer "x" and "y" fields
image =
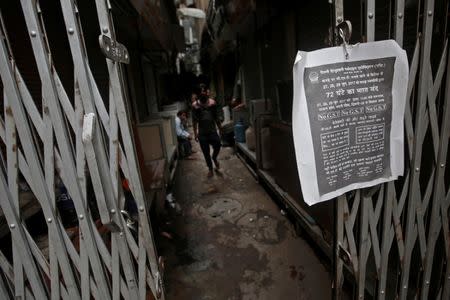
{"x": 347, "y": 117}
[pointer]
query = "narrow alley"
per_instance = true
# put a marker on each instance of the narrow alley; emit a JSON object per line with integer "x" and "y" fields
{"x": 232, "y": 242}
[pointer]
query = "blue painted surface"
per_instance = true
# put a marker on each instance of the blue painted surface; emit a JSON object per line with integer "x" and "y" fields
{"x": 239, "y": 132}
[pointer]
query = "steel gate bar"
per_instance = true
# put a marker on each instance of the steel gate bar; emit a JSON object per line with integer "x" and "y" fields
{"x": 9, "y": 274}
{"x": 338, "y": 205}
{"x": 409, "y": 92}
{"x": 74, "y": 256}
{"x": 112, "y": 199}
{"x": 339, "y": 276}
{"x": 102, "y": 250}
{"x": 370, "y": 20}
{"x": 104, "y": 189}
{"x": 113, "y": 169}
{"x": 94, "y": 161}
{"x": 12, "y": 163}
{"x": 64, "y": 101}
{"x": 49, "y": 163}
{"x": 29, "y": 105}
{"x": 25, "y": 171}
{"x": 99, "y": 104}
{"x": 135, "y": 182}
{"x": 18, "y": 235}
{"x": 81, "y": 176}
{"x": 3, "y": 289}
{"x": 25, "y": 137}
{"x": 68, "y": 159}
{"x": 23, "y": 166}
{"x": 63, "y": 143}
{"x": 444, "y": 210}
{"x": 142, "y": 269}
{"x": 414, "y": 190}
{"x": 438, "y": 195}
{"x": 364, "y": 247}
{"x": 399, "y": 21}
{"x": 386, "y": 240}
{"x": 124, "y": 253}
{"x": 42, "y": 262}
{"x": 104, "y": 117}
{"x": 374, "y": 218}
{"x": 349, "y": 225}
{"x": 119, "y": 240}
{"x": 115, "y": 274}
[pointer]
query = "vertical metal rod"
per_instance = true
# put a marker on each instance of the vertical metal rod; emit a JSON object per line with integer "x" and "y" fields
{"x": 105, "y": 189}
{"x": 24, "y": 131}
{"x": 135, "y": 180}
{"x": 142, "y": 268}
{"x": 8, "y": 271}
{"x": 338, "y": 240}
{"x": 49, "y": 172}
{"x": 389, "y": 196}
{"x": 49, "y": 163}
{"x": 4, "y": 291}
{"x": 364, "y": 246}
{"x": 399, "y": 21}
{"x": 386, "y": 241}
{"x": 43, "y": 263}
{"x": 19, "y": 239}
{"x": 338, "y": 13}
{"x": 12, "y": 167}
{"x": 370, "y": 20}
{"x": 115, "y": 263}
{"x": 62, "y": 138}
{"x": 338, "y": 204}
{"x": 414, "y": 192}
{"x": 438, "y": 195}
{"x": 81, "y": 175}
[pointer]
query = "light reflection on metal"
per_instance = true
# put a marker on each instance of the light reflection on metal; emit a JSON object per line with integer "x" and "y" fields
{"x": 191, "y": 12}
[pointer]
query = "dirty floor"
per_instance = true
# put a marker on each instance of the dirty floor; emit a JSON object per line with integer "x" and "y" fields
{"x": 231, "y": 242}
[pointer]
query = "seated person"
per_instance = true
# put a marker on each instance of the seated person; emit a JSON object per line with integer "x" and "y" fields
{"x": 183, "y": 136}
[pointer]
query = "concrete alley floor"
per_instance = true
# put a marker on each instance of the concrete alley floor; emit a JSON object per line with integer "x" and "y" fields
{"x": 230, "y": 242}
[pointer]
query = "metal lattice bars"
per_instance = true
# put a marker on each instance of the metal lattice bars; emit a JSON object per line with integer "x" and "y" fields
{"x": 94, "y": 268}
{"x": 413, "y": 211}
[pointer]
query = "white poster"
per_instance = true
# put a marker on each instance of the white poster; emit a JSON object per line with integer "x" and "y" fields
{"x": 347, "y": 117}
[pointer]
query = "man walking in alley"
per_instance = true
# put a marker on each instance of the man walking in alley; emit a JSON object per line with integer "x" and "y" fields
{"x": 207, "y": 117}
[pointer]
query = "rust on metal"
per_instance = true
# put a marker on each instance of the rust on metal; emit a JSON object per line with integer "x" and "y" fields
{"x": 8, "y": 111}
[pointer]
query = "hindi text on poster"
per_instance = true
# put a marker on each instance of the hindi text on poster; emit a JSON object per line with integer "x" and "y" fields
{"x": 349, "y": 105}
{"x": 347, "y": 118}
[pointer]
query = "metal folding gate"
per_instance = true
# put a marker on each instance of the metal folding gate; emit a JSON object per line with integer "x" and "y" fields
{"x": 119, "y": 265}
{"x": 393, "y": 239}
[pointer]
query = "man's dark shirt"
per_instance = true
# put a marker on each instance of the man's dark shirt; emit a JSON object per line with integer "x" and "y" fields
{"x": 207, "y": 116}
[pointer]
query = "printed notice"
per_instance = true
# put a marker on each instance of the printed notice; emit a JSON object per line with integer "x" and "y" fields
{"x": 349, "y": 105}
{"x": 348, "y": 118}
